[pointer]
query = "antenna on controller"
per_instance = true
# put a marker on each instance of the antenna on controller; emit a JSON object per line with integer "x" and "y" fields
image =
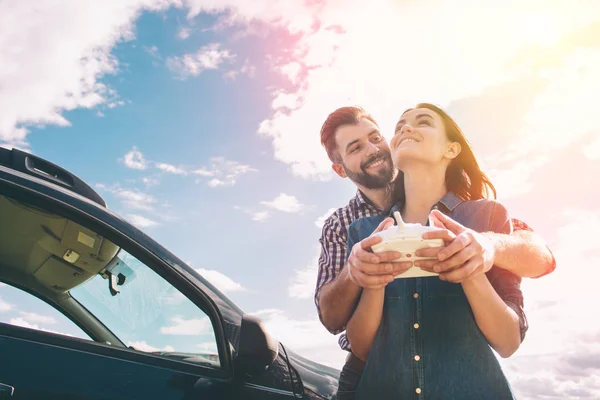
{"x": 398, "y": 219}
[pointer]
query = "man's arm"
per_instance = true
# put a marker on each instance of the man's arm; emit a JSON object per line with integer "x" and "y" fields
{"x": 337, "y": 298}
{"x": 336, "y": 302}
{"x": 523, "y": 252}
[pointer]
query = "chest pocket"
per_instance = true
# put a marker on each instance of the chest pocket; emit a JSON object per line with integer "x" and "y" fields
{"x": 438, "y": 288}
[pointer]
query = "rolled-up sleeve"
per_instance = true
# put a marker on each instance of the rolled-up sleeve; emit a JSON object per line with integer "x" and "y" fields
{"x": 507, "y": 284}
{"x": 508, "y": 287}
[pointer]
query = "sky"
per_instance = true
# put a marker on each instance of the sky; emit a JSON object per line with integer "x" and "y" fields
{"x": 198, "y": 121}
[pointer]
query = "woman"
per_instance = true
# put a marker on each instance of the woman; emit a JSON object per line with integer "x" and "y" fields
{"x": 424, "y": 337}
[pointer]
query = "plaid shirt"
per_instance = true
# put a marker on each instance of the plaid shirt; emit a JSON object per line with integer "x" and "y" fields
{"x": 333, "y": 245}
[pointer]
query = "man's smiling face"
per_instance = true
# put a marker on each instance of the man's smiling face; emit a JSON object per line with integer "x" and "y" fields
{"x": 364, "y": 154}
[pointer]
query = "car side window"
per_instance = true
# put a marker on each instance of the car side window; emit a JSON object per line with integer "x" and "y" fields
{"x": 149, "y": 314}
{"x": 20, "y": 308}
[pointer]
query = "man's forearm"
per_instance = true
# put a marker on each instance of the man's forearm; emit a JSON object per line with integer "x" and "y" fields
{"x": 523, "y": 253}
{"x": 336, "y": 301}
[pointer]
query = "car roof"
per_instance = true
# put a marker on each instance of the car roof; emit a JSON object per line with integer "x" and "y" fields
{"x": 65, "y": 194}
{"x": 44, "y": 170}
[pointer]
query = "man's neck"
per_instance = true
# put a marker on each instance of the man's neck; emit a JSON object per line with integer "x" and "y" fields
{"x": 423, "y": 187}
{"x": 381, "y": 198}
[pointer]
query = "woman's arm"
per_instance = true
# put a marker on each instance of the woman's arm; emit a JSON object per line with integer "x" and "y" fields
{"x": 498, "y": 322}
{"x": 364, "y": 323}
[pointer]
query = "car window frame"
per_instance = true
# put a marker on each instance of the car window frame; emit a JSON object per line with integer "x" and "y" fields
{"x": 122, "y": 354}
{"x": 160, "y": 266}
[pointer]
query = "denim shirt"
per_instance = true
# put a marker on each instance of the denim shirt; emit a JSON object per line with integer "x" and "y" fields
{"x": 428, "y": 345}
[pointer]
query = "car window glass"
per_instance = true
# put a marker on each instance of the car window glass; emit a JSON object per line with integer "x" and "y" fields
{"x": 20, "y": 308}
{"x": 149, "y": 314}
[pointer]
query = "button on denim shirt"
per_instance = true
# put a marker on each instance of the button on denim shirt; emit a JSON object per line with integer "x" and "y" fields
{"x": 428, "y": 345}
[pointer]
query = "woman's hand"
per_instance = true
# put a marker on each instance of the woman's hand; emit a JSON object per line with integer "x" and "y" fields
{"x": 374, "y": 271}
{"x": 467, "y": 253}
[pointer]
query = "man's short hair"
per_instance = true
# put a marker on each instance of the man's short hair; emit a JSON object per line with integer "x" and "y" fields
{"x": 341, "y": 116}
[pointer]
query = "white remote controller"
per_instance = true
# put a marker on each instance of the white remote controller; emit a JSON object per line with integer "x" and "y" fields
{"x": 406, "y": 238}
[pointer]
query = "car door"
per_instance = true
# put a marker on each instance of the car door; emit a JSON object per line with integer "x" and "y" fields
{"x": 150, "y": 329}
{"x": 171, "y": 348}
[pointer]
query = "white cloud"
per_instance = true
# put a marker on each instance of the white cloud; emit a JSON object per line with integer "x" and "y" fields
{"x": 150, "y": 181}
{"x": 304, "y": 280}
{"x": 143, "y": 346}
{"x": 549, "y": 125}
{"x": 285, "y": 203}
{"x": 246, "y": 69}
{"x": 221, "y": 281}
{"x": 343, "y": 72}
{"x": 4, "y": 306}
{"x": 204, "y": 172}
{"x": 134, "y": 159}
{"x": 131, "y": 198}
{"x": 294, "y": 16}
{"x": 25, "y": 324}
{"x": 321, "y": 220}
{"x": 2, "y": 284}
{"x": 592, "y": 149}
{"x": 207, "y": 57}
{"x": 141, "y": 221}
{"x": 172, "y": 169}
{"x": 184, "y": 33}
{"x": 153, "y": 52}
{"x": 187, "y": 326}
{"x": 213, "y": 183}
{"x": 208, "y": 348}
{"x": 562, "y": 340}
{"x": 260, "y": 216}
{"x": 75, "y": 53}
{"x": 34, "y": 318}
{"x": 285, "y": 100}
{"x": 291, "y": 71}
{"x": 223, "y": 172}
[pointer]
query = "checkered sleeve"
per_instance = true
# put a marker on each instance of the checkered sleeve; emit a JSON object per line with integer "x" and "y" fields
{"x": 331, "y": 260}
{"x": 519, "y": 225}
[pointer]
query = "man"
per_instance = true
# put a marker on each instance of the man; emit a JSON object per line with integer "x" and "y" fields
{"x": 359, "y": 152}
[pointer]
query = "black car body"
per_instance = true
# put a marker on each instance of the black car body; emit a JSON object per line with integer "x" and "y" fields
{"x": 36, "y": 364}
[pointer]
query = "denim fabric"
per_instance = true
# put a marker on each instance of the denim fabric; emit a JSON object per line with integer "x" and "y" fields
{"x": 428, "y": 345}
{"x": 349, "y": 377}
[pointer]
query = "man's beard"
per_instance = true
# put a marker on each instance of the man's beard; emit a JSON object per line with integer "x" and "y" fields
{"x": 378, "y": 181}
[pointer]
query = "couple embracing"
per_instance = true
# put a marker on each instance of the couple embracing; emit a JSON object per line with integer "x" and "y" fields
{"x": 430, "y": 337}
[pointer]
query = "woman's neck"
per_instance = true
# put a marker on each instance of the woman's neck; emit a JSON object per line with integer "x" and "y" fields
{"x": 424, "y": 187}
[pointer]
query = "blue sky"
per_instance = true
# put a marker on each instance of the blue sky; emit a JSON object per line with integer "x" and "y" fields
{"x": 199, "y": 122}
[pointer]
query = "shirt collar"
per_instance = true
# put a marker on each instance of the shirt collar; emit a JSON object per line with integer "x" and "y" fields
{"x": 450, "y": 201}
{"x": 362, "y": 200}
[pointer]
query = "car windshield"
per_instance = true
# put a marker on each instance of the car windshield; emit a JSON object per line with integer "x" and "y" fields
{"x": 148, "y": 313}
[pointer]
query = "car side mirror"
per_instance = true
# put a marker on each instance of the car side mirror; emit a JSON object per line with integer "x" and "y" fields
{"x": 257, "y": 349}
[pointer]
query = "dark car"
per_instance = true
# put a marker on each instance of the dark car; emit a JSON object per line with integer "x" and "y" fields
{"x": 151, "y": 326}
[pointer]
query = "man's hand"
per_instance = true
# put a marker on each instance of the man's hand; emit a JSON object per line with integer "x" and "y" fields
{"x": 467, "y": 255}
{"x": 374, "y": 271}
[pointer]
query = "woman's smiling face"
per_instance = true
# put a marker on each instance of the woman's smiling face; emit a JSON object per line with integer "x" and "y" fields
{"x": 420, "y": 136}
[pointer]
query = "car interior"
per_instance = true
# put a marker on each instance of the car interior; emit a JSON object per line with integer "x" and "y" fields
{"x": 48, "y": 255}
